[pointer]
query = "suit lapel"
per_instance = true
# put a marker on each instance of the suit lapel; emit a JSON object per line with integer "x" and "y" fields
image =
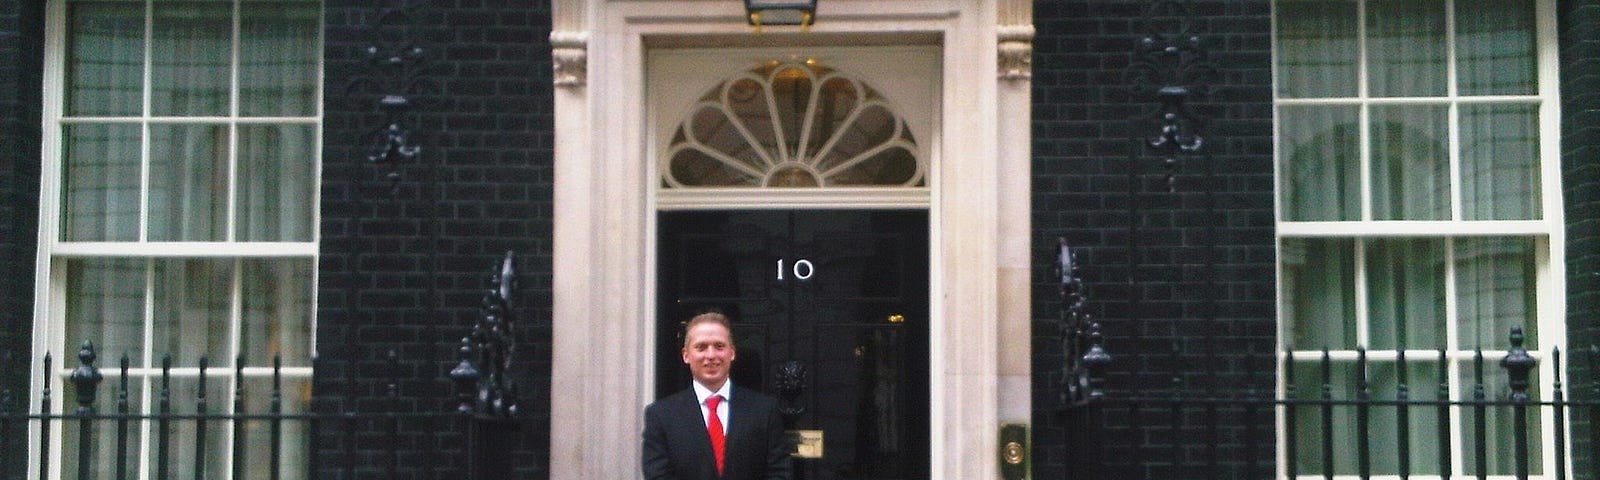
{"x": 740, "y": 416}
{"x": 746, "y": 434}
{"x": 696, "y": 426}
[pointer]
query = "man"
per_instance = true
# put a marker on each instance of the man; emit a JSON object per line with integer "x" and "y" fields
{"x": 684, "y": 432}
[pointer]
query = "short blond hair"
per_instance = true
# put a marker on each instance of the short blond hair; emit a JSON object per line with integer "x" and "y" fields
{"x": 708, "y": 317}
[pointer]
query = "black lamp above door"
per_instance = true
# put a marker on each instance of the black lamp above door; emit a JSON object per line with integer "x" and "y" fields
{"x": 780, "y": 12}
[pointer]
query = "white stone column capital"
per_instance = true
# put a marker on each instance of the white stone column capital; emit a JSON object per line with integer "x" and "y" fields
{"x": 1016, "y": 51}
{"x": 569, "y": 57}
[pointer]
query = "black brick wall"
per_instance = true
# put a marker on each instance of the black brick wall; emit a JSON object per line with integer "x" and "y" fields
{"x": 1081, "y": 161}
{"x": 1580, "y": 147}
{"x": 21, "y": 68}
{"x": 406, "y": 269}
{"x": 1081, "y": 112}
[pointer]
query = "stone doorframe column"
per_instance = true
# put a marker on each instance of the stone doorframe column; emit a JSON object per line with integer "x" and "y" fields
{"x": 602, "y": 370}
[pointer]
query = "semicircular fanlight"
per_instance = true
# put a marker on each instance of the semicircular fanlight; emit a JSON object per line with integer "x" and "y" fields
{"x": 792, "y": 124}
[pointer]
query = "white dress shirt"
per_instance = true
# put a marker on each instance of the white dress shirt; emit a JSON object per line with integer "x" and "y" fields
{"x": 701, "y": 393}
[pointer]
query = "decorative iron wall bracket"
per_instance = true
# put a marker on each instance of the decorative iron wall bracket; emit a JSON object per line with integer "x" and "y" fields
{"x": 398, "y": 67}
{"x": 1171, "y": 63}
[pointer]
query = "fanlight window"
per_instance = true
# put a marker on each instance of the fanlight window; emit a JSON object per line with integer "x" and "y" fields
{"x": 792, "y": 124}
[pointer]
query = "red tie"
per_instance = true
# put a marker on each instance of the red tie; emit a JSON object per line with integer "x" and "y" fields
{"x": 714, "y": 429}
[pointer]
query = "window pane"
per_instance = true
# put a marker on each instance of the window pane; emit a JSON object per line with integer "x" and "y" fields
{"x": 276, "y": 296}
{"x": 185, "y": 433}
{"x": 1406, "y": 48}
{"x": 1499, "y": 447}
{"x": 1321, "y": 163}
{"x": 278, "y": 56}
{"x": 1500, "y": 162}
{"x": 294, "y": 440}
{"x": 1405, "y": 293}
{"x": 790, "y": 87}
{"x": 106, "y": 307}
{"x": 1495, "y": 47}
{"x": 741, "y": 104}
{"x": 103, "y": 444}
{"x": 1319, "y": 284}
{"x": 695, "y": 167}
{"x": 837, "y": 100}
{"x": 188, "y": 182}
{"x": 1410, "y": 163}
{"x": 191, "y": 53}
{"x": 105, "y": 66}
{"x": 1311, "y": 433}
{"x": 276, "y": 171}
{"x": 1421, "y": 425}
{"x": 872, "y": 129}
{"x": 1495, "y": 290}
{"x": 102, "y": 183}
{"x": 192, "y": 298}
{"x": 1317, "y": 49}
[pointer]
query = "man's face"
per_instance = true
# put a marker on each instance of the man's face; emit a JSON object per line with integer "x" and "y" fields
{"x": 709, "y": 353}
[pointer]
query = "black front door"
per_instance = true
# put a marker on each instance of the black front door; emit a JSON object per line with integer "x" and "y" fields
{"x": 830, "y": 315}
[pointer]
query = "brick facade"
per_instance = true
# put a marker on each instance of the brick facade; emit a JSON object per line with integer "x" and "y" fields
{"x": 1084, "y": 113}
{"x": 21, "y": 68}
{"x": 1081, "y": 161}
{"x": 405, "y": 265}
{"x": 1580, "y": 146}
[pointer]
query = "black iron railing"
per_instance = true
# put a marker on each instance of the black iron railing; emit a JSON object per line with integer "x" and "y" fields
{"x": 107, "y": 438}
{"x": 363, "y": 428}
{"x": 341, "y": 434}
{"x": 1200, "y": 413}
{"x": 1333, "y": 424}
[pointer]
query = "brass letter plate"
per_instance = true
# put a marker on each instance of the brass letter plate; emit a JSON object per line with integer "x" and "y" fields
{"x": 807, "y": 443}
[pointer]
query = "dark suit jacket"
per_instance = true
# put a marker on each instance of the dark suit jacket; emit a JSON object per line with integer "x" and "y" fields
{"x": 676, "y": 446}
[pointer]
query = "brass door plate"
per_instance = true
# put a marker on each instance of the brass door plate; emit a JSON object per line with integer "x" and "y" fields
{"x": 1014, "y": 461}
{"x": 807, "y": 443}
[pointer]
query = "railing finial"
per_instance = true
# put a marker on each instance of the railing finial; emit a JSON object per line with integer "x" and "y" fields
{"x": 1518, "y": 363}
{"x": 465, "y": 376}
{"x": 86, "y": 378}
{"x": 1095, "y": 362}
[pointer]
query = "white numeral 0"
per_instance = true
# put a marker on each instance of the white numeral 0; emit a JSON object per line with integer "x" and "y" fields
{"x": 802, "y": 269}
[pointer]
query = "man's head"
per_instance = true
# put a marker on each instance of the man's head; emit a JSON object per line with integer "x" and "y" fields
{"x": 708, "y": 349}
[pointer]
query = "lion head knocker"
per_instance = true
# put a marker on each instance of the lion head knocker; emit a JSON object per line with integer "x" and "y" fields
{"x": 791, "y": 380}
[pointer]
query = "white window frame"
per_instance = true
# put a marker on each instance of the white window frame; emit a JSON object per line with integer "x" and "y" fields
{"x": 1547, "y": 233}
{"x": 49, "y": 325}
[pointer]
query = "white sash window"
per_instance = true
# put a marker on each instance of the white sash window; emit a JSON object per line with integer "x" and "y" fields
{"x": 179, "y": 216}
{"x": 1419, "y": 211}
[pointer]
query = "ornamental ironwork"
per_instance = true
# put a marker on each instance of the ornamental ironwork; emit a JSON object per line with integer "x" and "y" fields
{"x": 484, "y": 386}
{"x": 398, "y": 67}
{"x": 1171, "y": 64}
{"x": 791, "y": 382}
{"x": 1082, "y": 343}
